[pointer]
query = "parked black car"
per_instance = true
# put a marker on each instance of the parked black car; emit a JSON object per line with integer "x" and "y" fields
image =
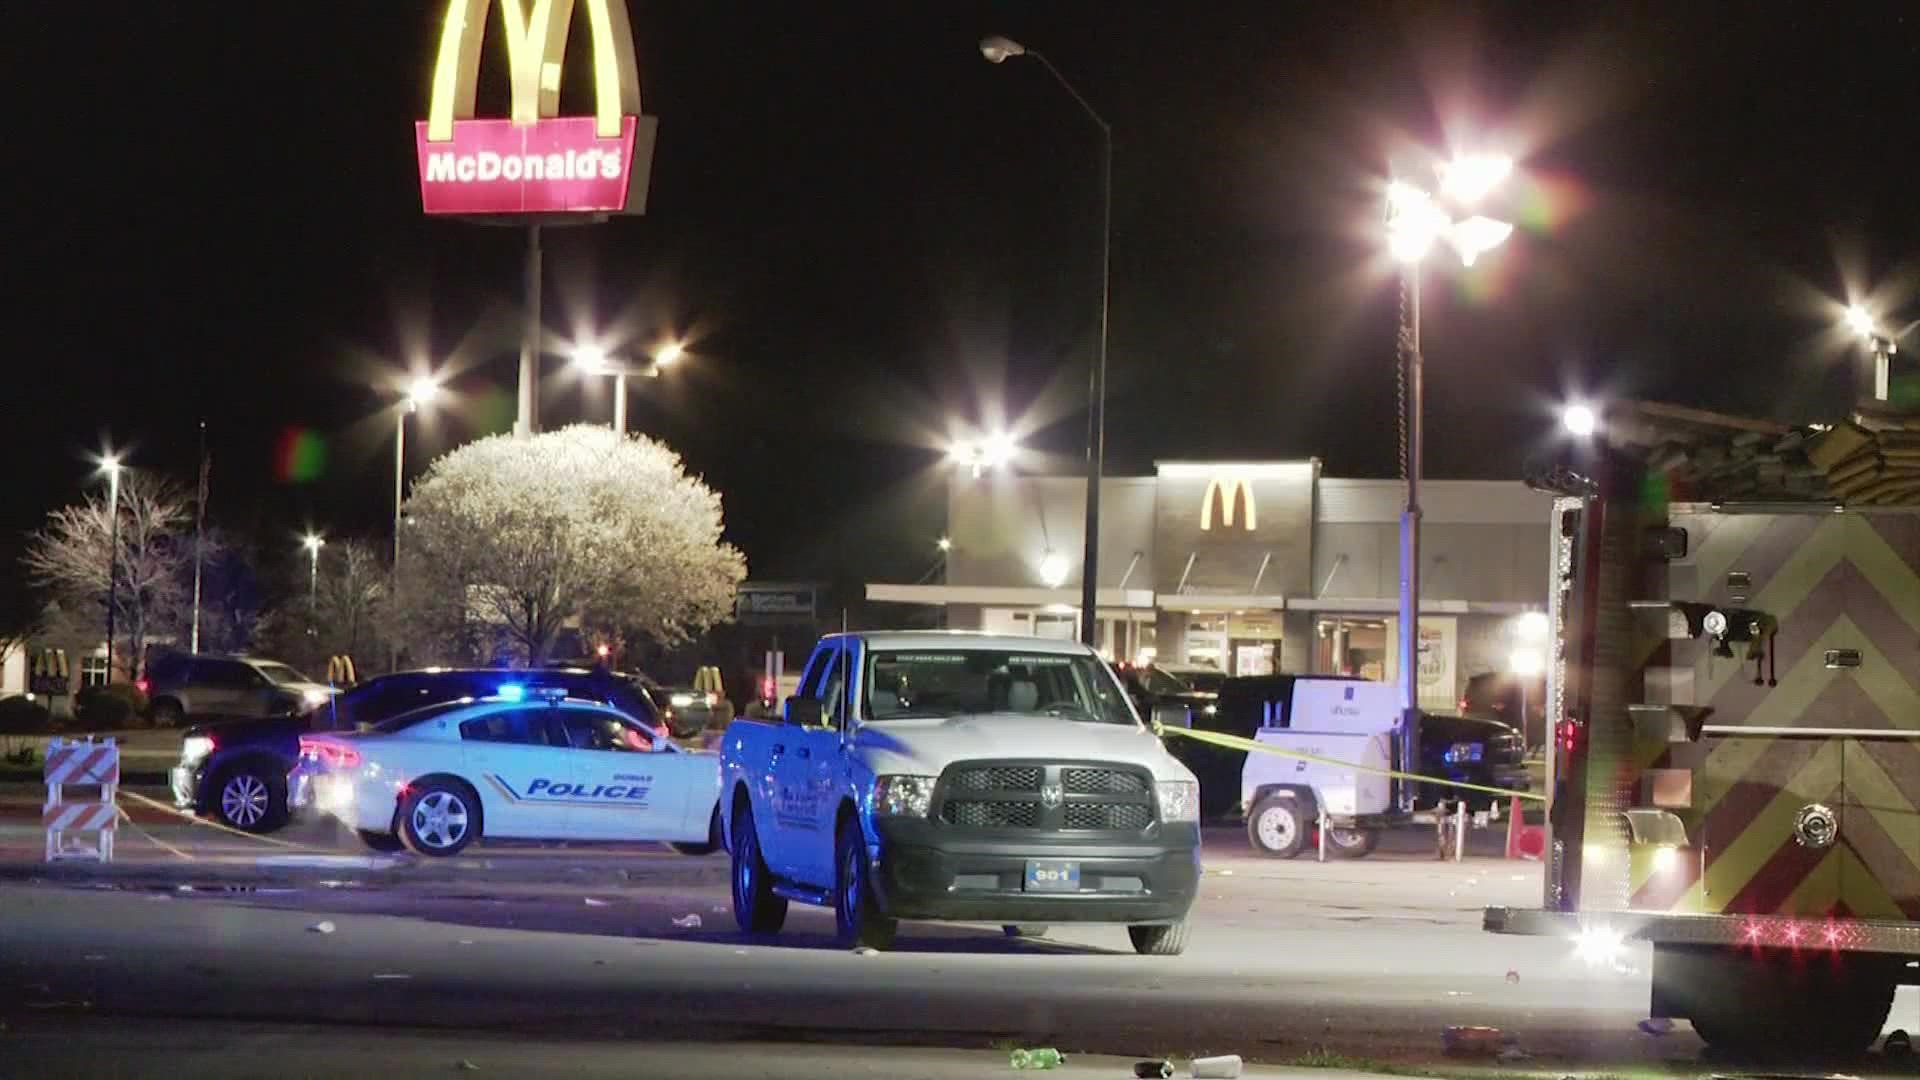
{"x": 1468, "y": 749}
{"x": 1153, "y": 688}
{"x": 236, "y": 771}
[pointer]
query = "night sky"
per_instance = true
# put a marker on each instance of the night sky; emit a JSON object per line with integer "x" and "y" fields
{"x": 872, "y": 235}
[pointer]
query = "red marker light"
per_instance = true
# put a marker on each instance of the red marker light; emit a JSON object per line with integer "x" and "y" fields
{"x": 330, "y": 754}
{"x": 1793, "y": 933}
{"x": 141, "y": 685}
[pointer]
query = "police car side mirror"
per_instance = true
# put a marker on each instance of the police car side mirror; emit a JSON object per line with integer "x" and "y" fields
{"x": 803, "y": 711}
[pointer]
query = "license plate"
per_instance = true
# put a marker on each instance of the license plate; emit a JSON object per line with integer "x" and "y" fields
{"x": 1046, "y": 875}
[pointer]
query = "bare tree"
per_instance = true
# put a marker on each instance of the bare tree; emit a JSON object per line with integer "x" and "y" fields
{"x": 352, "y": 599}
{"x": 69, "y": 557}
{"x": 577, "y": 527}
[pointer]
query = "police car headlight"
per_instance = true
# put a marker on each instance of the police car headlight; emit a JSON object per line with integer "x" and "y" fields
{"x": 314, "y": 697}
{"x": 1179, "y": 800}
{"x": 903, "y": 796}
{"x": 681, "y": 701}
{"x": 195, "y": 747}
{"x": 1715, "y": 624}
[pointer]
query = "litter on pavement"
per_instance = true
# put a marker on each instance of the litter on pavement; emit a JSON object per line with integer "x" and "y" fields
{"x": 322, "y": 927}
{"x": 1656, "y": 1025}
{"x": 1153, "y": 1070}
{"x": 1222, "y": 1067}
{"x": 1045, "y": 1057}
{"x": 591, "y": 902}
{"x": 866, "y": 950}
{"x": 689, "y": 922}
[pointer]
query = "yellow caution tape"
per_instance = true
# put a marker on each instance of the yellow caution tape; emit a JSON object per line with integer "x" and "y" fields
{"x": 1235, "y": 742}
{"x": 154, "y": 840}
{"x": 158, "y": 805}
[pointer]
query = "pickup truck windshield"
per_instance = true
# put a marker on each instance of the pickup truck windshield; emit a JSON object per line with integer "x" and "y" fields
{"x": 930, "y": 682}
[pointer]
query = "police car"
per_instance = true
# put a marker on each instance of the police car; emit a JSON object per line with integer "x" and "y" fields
{"x": 522, "y": 765}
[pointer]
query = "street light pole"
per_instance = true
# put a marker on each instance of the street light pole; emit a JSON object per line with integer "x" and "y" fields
{"x": 112, "y": 465}
{"x": 1410, "y": 516}
{"x": 419, "y": 392}
{"x": 1416, "y": 221}
{"x": 620, "y": 403}
{"x": 997, "y": 50}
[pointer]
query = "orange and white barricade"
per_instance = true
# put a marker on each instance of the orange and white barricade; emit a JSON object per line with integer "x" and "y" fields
{"x": 81, "y": 763}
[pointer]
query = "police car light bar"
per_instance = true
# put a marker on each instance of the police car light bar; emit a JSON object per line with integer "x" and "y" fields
{"x": 511, "y": 692}
{"x": 551, "y": 694}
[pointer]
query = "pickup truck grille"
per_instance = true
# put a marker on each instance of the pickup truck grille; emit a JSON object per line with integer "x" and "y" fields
{"x": 1061, "y": 798}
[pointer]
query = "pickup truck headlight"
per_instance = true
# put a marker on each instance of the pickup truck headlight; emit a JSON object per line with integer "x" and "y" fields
{"x": 195, "y": 747}
{"x": 903, "y": 796}
{"x": 1179, "y": 800}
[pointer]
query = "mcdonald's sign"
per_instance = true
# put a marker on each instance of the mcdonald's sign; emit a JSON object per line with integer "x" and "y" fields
{"x": 535, "y": 161}
{"x": 1227, "y": 492}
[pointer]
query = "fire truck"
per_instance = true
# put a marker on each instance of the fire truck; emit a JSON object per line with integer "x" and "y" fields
{"x": 1734, "y": 692}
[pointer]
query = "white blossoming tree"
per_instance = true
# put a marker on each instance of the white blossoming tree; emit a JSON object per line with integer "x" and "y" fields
{"x": 522, "y": 537}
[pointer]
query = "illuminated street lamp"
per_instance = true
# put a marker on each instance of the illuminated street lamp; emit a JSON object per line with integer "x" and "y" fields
{"x": 1861, "y": 323}
{"x": 595, "y": 360}
{"x": 313, "y": 543}
{"x": 1417, "y": 221}
{"x": 1529, "y": 657}
{"x": 1579, "y": 420}
{"x": 979, "y": 455}
{"x": 1054, "y": 569}
{"x": 110, "y": 465}
{"x": 997, "y": 50}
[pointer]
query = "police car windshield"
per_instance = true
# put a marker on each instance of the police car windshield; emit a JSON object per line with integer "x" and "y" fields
{"x": 426, "y": 712}
{"x": 942, "y": 682}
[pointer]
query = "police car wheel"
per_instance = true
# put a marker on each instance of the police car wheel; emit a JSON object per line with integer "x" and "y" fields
{"x": 439, "y": 818}
{"x": 755, "y": 907}
{"x": 856, "y": 915}
{"x": 1276, "y": 827}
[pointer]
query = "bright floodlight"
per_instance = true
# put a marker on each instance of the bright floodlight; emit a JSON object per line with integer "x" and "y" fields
{"x": 1532, "y": 625}
{"x": 313, "y": 542}
{"x": 1413, "y": 222}
{"x": 591, "y": 359}
{"x": 1580, "y": 420}
{"x": 998, "y": 450}
{"x": 979, "y": 455}
{"x": 1860, "y": 321}
{"x": 110, "y": 464}
{"x": 1469, "y": 178}
{"x": 669, "y": 353}
{"x": 945, "y": 543}
{"x": 1526, "y": 663}
{"x": 996, "y": 48}
{"x": 1054, "y": 569}
{"x": 421, "y": 391}
{"x": 1476, "y": 236}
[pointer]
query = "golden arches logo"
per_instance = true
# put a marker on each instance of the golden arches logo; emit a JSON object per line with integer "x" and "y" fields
{"x": 536, "y": 49}
{"x": 1227, "y": 492}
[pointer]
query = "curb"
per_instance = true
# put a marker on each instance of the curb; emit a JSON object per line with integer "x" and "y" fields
{"x": 325, "y": 870}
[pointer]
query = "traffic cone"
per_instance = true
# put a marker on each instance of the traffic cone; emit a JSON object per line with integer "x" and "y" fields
{"x": 1514, "y": 825}
{"x": 1524, "y": 841}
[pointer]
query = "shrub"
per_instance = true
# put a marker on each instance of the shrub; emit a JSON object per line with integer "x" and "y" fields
{"x": 111, "y": 707}
{"x": 21, "y": 716}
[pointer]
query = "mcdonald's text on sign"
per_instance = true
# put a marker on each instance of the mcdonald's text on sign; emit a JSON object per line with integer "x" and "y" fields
{"x": 535, "y": 161}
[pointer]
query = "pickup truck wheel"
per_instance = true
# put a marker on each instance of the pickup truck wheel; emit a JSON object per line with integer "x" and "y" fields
{"x": 856, "y": 915}
{"x": 1168, "y": 940}
{"x": 379, "y": 841}
{"x": 755, "y": 907}
{"x": 1276, "y": 828}
{"x": 1352, "y": 843}
{"x": 712, "y": 843}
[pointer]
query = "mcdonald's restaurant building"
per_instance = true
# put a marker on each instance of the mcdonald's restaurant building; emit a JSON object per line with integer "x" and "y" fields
{"x": 1247, "y": 567}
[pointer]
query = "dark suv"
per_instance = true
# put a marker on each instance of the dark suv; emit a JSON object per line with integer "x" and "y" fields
{"x": 236, "y": 772}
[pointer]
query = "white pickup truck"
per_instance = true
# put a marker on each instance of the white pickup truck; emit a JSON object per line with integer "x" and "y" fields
{"x": 961, "y": 777}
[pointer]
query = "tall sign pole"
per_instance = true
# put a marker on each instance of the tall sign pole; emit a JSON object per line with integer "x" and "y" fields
{"x": 200, "y": 536}
{"x": 534, "y": 167}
